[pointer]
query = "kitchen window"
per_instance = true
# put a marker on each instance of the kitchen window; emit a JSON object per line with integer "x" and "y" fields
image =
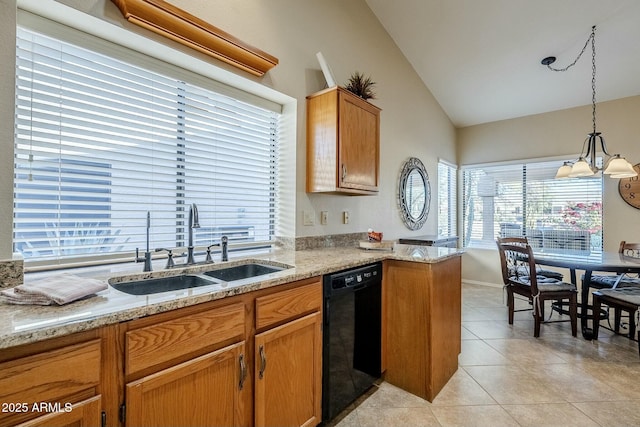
{"x": 101, "y": 139}
{"x": 524, "y": 199}
{"x": 447, "y": 200}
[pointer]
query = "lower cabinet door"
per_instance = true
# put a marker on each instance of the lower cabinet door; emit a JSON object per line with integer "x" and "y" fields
{"x": 83, "y": 414}
{"x": 205, "y": 391}
{"x": 288, "y": 374}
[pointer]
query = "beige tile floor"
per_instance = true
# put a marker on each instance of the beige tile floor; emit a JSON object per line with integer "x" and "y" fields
{"x": 506, "y": 377}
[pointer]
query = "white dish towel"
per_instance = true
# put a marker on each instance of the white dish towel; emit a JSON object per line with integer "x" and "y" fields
{"x": 61, "y": 288}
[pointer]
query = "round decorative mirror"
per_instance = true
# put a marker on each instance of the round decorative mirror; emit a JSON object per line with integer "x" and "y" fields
{"x": 414, "y": 194}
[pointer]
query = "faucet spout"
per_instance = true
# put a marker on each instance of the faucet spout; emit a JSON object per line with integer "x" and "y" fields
{"x": 193, "y": 223}
{"x": 147, "y": 254}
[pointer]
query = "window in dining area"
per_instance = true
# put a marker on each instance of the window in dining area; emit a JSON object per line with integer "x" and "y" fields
{"x": 525, "y": 199}
{"x": 447, "y": 200}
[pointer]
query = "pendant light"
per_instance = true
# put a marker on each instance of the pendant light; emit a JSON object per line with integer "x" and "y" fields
{"x": 615, "y": 165}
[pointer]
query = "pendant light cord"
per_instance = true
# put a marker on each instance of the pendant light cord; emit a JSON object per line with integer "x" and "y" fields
{"x": 587, "y": 162}
{"x": 592, "y": 39}
{"x": 593, "y": 74}
{"x": 593, "y": 48}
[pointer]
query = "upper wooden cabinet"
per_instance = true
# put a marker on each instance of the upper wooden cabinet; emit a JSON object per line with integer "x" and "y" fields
{"x": 343, "y": 143}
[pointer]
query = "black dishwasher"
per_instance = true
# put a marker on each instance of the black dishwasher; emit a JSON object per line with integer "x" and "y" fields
{"x": 351, "y": 336}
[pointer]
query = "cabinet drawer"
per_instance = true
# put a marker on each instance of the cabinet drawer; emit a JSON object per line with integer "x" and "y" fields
{"x": 155, "y": 344}
{"x": 51, "y": 376}
{"x": 282, "y": 306}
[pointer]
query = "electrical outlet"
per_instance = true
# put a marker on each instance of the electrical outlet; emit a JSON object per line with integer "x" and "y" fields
{"x": 323, "y": 217}
{"x": 307, "y": 218}
{"x": 345, "y": 217}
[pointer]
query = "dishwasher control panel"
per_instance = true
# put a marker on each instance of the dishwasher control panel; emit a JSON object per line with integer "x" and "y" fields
{"x": 355, "y": 277}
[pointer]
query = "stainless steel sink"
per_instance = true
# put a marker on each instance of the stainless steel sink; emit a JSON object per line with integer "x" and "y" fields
{"x": 242, "y": 271}
{"x": 194, "y": 280}
{"x": 162, "y": 284}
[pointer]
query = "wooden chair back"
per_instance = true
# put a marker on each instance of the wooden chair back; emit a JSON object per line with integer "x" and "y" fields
{"x": 518, "y": 265}
{"x": 629, "y": 249}
{"x": 512, "y": 240}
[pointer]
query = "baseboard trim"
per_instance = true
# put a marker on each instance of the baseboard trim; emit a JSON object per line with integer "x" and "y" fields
{"x": 477, "y": 282}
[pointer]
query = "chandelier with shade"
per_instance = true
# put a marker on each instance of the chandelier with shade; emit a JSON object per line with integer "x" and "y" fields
{"x": 615, "y": 165}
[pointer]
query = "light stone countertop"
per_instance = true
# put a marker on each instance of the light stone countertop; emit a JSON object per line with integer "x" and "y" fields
{"x": 23, "y": 324}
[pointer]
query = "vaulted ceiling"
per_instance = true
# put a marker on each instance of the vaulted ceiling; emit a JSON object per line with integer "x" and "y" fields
{"x": 481, "y": 58}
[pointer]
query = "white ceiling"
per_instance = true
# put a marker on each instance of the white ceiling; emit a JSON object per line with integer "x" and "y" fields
{"x": 481, "y": 58}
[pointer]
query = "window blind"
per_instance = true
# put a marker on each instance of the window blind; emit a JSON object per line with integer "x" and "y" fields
{"x": 100, "y": 142}
{"x": 526, "y": 200}
{"x": 447, "y": 200}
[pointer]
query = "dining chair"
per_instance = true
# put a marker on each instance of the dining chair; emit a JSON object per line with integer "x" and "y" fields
{"x": 520, "y": 277}
{"x": 625, "y": 299}
{"x": 620, "y": 292}
{"x": 615, "y": 281}
{"x": 523, "y": 241}
{"x": 603, "y": 281}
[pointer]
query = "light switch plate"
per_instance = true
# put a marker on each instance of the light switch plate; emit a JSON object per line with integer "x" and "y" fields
{"x": 324, "y": 215}
{"x": 307, "y": 218}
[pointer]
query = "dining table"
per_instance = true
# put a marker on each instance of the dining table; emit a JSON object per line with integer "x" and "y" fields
{"x": 589, "y": 262}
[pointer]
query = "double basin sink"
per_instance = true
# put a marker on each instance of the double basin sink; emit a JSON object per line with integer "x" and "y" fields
{"x": 194, "y": 280}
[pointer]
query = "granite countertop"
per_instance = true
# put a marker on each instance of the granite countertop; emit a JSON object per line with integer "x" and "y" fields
{"x": 23, "y": 324}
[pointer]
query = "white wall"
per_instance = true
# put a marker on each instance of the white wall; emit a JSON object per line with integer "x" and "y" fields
{"x": 351, "y": 39}
{"x": 7, "y": 112}
{"x": 558, "y": 133}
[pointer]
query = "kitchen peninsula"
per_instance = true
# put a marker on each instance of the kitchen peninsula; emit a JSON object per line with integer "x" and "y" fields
{"x": 115, "y": 347}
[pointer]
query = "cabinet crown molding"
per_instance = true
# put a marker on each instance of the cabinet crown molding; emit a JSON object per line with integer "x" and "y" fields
{"x": 180, "y": 26}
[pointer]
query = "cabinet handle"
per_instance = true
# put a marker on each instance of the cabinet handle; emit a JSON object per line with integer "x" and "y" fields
{"x": 263, "y": 362}
{"x": 344, "y": 172}
{"x": 243, "y": 371}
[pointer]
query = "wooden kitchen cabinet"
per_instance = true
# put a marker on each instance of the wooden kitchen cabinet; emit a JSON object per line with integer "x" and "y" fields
{"x": 196, "y": 366}
{"x": 288, "y": 358}
{"x": 187, "y": 368}
{"x": 205, "y": 391}
{"x": 422, "y": 324}
{"x": 87, "y": 413}
{"x": 343, "y": 143}
{"x": 193, "y": 366}
{"x": 59, "y": 382}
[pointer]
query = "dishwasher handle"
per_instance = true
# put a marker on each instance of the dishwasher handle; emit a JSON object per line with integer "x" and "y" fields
{"x": 327, "y": 311}
{"x": 361, "y": 286}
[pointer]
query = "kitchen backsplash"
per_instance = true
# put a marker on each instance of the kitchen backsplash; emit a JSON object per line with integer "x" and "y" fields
{"x": 11, "y": 273}
{"x": 329, "y": 241}
{"x": 288, "y": 243}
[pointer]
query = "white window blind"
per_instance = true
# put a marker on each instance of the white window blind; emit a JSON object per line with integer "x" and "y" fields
{"x": 100, "y": 142}
{"x": 447, "y": 200}
{"x": 525, "y": 200}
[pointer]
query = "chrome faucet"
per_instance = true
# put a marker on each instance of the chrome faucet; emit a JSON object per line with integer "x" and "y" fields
{"x": 224, "y": 254}
{"x": 147, "y": 254}
{"x": 170, "y": 262}
{"x": 193, "y": 223}
{"x": 224, "y": 243}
